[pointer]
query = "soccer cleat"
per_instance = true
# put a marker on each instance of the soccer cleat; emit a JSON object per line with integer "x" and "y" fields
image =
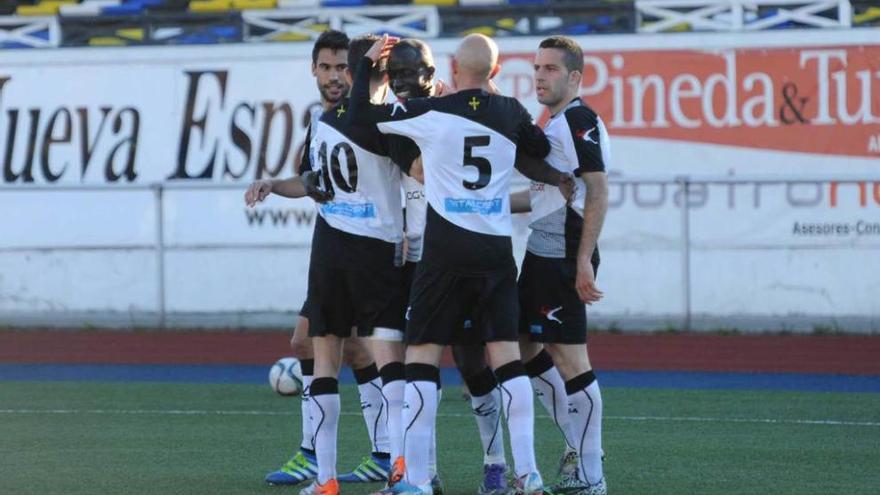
{"x": 494, "y": 481}
{"x": 529, "y": 484}
{"x": 331, "y": 487}
{"x": 301, "y": 467}
{"x": 404, "y": 488}
{"x": 437, "y": 485}
{"x": 395, "y": 474}
{"x": 574, "y": 486}
{"x": 568, "y": 464}
{"x": 370, "y": 470}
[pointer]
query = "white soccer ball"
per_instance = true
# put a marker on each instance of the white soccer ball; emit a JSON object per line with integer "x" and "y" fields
{"x": 286, "y": 376}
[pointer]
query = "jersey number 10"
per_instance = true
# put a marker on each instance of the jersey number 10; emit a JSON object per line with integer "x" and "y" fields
{"x": 334, "y": 168}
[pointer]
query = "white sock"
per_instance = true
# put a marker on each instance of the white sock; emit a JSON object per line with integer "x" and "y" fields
{"x": 550, "y": 389}
{"x": 486, "y": 406}
{"x": 393, "y": 393}
{"x": 586, "y": 422}
{"x": 325, "y": 422}
{"x": 432, "y": 452}
{"x": 419, "y": 418}
{"x": 517, "y": 397}
{"x": 374, "y": 410}
{"x": 308, "y": 437}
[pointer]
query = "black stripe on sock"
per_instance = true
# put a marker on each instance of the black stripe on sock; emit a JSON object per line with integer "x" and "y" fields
{"x": 307, "y": 366}
{"x": 539, "y": 364}
{"x": 392, "y": 372}
{"x": 366, "y": 374}
{"x": 580, "y": 382}
{"x": 420, "y": 372}
{"x": 510, "y": 371}
{"x": 324, "y": 385}
{"x": 482, "y": 383}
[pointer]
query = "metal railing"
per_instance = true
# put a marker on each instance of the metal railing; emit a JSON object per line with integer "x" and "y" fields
{"x": 160, "y": 246}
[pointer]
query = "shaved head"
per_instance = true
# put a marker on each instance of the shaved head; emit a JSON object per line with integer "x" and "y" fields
{"x": 477, "y": 56}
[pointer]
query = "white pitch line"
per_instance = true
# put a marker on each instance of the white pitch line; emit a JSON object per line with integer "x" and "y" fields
{"x": 205, "y": 412}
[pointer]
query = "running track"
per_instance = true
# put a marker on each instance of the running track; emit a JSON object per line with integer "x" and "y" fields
{"x": 829, "y": 363}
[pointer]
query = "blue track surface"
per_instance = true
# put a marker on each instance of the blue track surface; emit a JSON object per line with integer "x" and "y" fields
{"x": 258, "y": 374}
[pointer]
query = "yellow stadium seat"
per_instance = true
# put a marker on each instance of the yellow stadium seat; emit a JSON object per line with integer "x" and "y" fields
{"x": 106, "y": 41}
{"x": 253, "y": 4}
{"x": 290, "y": 37}
{"x": 46, "y": 7}
{"x": 867, "y": 16}
{"x": 441, "y": 3}
{"x": 487, "y": 30}
{"x": 210, "y": 5}
{"x": 136, "y": 34}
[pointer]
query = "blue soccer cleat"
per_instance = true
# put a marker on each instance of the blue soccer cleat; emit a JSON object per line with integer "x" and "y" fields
{"x": 301, "y": 467}
{"x": 372, "y": 469}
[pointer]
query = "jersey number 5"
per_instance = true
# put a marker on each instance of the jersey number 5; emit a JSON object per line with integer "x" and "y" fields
{"x": 334, "y": 168}
{"x": 483, "y": 166}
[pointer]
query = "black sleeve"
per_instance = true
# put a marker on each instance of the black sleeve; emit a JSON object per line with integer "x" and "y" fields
{"x": 305, "y": 161}
{"x": 402, "y": 151}
{"x": 586, "y": 133}
{"x": 361, "y": 111}
{"x": 532, "y": 140}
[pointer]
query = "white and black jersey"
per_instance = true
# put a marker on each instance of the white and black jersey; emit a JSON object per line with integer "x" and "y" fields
{"x": 578, "y": 144}
{"x": 468, "y": 142}
{"x": 363, "y": 224}
{"x": 416, "y": 209}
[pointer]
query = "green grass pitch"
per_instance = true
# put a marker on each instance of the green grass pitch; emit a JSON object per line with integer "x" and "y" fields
{"x": 113, "y": 438}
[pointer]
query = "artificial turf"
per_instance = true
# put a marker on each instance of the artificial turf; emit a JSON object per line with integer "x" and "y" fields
{"x": 152, "y": 438}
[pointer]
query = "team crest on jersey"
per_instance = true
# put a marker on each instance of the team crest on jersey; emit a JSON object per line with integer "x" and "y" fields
{"x": 585, "y": 135}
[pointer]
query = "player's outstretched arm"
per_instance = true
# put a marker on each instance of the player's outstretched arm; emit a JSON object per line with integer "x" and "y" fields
{"x": 520, "y": 202}
{"x": 539, "y": 170}
{"x": 300, "y": 186}
{"x": 595, "y": 207}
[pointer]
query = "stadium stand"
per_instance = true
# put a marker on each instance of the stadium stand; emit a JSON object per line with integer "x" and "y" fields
{"x": 51, "y": 23}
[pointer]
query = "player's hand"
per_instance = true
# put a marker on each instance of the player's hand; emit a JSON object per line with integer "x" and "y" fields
{"x": 417, "y": 170}
{"x": 381, "y": 47}
{"x": 443, "y": 88}
{"x": 312, "y": 182}
{"x": 257, "y": 192}
{"x": 568, "y": 188}
{"x": 585, "y": 282}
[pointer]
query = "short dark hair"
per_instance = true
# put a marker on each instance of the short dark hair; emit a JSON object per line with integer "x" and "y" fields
{"x": 358, "y": 48}
{"x": 332, "y": 39}
{"x": 418, "y": 46}
{"x": 573, "y": 54}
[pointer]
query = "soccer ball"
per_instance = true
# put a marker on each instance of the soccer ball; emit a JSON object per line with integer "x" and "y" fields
{"x": 286, "y": 377}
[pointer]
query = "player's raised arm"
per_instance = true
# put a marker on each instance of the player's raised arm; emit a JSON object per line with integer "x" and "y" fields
{"x": 361, "y": 110}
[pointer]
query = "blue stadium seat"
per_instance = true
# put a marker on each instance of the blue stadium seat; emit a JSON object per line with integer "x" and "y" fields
{"x": 131, "y": 8}
{"x": 343, "y": 3}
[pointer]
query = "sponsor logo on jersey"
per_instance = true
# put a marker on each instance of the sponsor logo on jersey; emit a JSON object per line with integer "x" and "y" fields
{"x": 585, "y": 135}
{"x": 351, "y": 210}
{"x": 398, "y": 105}
{"x": 479, "y": 206}
{"x": 536, "y": 329}
{"x": 550, "y": 313}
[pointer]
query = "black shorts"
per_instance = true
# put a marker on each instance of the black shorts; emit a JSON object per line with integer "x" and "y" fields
{"x": 340, "y": 299}
{"x": 440, "y": 301}
{"x": 304, "y": 312}
{"x": 551, "y": 310}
